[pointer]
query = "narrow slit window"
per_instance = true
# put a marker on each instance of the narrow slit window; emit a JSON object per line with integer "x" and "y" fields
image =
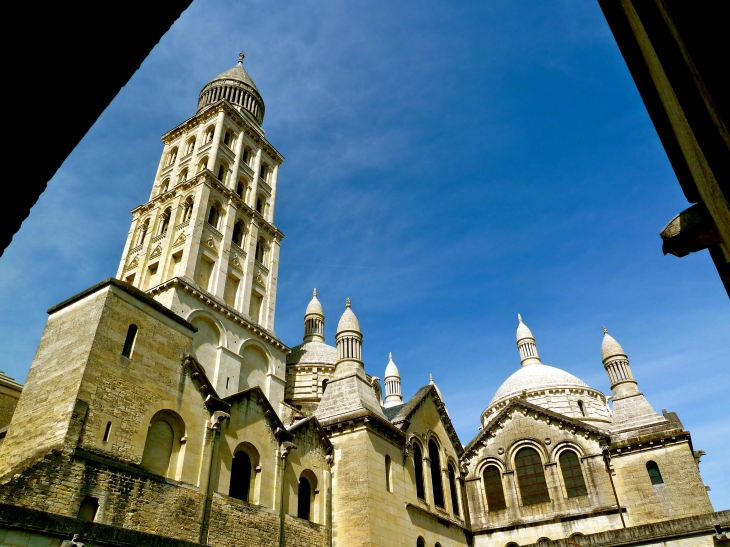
{"x": 107, "y": 432}
{"x": 129, "y": 341}
{"x": 654, "y": 474}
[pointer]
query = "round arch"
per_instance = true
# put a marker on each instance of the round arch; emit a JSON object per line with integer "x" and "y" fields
{"x": 522, "y": 443}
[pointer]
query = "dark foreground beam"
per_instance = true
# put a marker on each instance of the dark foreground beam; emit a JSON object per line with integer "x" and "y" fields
{"x": 676, "y": 52}
{"x": 64, "y": 63}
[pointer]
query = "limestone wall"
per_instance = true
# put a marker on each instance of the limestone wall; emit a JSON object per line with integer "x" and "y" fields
{"x": 683, "y": 493}
{"x": 8, "y": 402}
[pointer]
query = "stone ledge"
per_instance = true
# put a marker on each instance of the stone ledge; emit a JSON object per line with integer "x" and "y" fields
{"x": 646, "y": 533}
{"x": 30, "y": 520}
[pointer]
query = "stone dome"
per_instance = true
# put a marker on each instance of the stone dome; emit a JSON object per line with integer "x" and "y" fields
{"x": 391, "y": 370}
{"x": 610, "y": 347}
{"x": 313, "y": 353}
{"x": 237, "y": 87}
{"x": 348, "y": 321}
{"x": 314, "y": 306}
{"x": 536, "y": 377}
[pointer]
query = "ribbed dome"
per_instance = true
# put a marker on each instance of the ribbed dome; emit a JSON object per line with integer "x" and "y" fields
{"x": 522, "y": 330}
{"x": 391, "y": 369}
{"x": 536, "y": 377}
{"x": 314, "y": 306}
{"x": 348, "y": 321}
{"x": 610, "y": 347}
{"x": 237, "y": 87}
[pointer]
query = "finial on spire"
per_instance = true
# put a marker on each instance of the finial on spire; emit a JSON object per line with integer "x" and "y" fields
{"x": 390, "y": 355}
{"x": 240, "y": 58}
{"x": 347, "y": 303}
{"x": 519, "y": 318}
{"x": 314, "y": 293}
{"x": 430, "y": 379}
{"x": 605, "y": 330}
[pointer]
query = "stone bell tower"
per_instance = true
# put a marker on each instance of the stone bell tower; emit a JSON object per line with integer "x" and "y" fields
{"x": 205, "y": 244}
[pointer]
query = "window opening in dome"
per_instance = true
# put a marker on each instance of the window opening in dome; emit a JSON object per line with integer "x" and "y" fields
{"x": 654, "y": 473}
{"x": 531, "y": 477}
{"x": 581, "y": 408}
{"x": 572, "y": 474}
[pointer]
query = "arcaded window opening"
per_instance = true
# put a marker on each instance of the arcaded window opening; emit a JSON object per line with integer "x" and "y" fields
{"x": 452, "y": 489}
{"x": 572, "y": 474}
{"x": 531, "y": 477}
{"x": 418, "y": 466}
{"x": 238, "y": 233}
{"x": 494, "y": 489}
{"x": 438, "y": 489}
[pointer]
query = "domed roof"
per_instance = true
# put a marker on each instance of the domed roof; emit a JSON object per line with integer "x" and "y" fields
{"x": 235, "y": 86}
{"x": 522, "y": 330}
{"x": 348, "y": 321}
{"x": 610, "y": 347}
{"x": 314, "y": 306}
{"x": 536, "y": 377}
{"x": 391, "y": 369}
{"x": 237, "y": 73}
{"x": 316, "y": 353}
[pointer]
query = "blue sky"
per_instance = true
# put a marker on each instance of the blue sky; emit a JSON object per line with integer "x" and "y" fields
{"x": 448, "y": 165}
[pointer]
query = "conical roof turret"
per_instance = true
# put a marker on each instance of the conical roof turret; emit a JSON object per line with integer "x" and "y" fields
{"x": 348, "y": 321}
{"x": 237, "y": 87}
{"x": 391, "y": 370}
{"x": 314, "y": 320}
{"x": 610, "y": 347}
{"x": 393, "y": 395}
{"x": 526, "y": 345}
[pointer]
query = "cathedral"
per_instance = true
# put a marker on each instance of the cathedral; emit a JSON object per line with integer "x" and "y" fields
{"x": 161, "y": 409}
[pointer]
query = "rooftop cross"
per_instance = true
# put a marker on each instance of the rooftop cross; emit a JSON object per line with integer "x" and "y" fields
{"x": 605, "y": 330}
{"x": 240, "y": 58}
{"x": 347, "y": 303}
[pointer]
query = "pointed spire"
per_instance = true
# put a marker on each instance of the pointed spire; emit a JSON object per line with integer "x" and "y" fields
{"x": 314, "y": 320}
{"x": 526, "y": 344}
{"x": 391, "y": 379}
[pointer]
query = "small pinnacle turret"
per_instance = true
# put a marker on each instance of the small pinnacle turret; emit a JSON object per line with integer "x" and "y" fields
{"x": 526, "y": 345}
{"x": 314, "y": 320}
{"x": 393, "y": 395}
{"x": 617, "y": 366}
{"x": 349, "y": 343}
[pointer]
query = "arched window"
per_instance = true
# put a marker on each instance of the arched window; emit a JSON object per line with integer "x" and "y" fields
{"x": 203, "y": 164}
{"x": 572, "y": 474}
{"x": 531, "y": 477}
{"x": 222, "y": 168}
{"x": 209, "y": 135}
{"x": 171, "y": 157}
{"x": 388, "y": 485}
{"x": 263, "y": 172}
{"x": 493, "y": 488}
{"x": 240, "y": 476}
{"x": 452, "y": 488}
{"x": 420, "y": 542}
{"x": 238, "y": 232}
{"x": 190, "y": 146}
{"x": 164, "y": 186}
{"x": 165, "y": 221}
{"x": 227, "y": 138}
{"x": 304, "y": 499}
{"x": 512, "y": 544}
{"x": 438, "y": 489}
{"x": 324, "y": 385}
{"x": 187, "y": 209}
{"x": 581, "y": 408}
{"x": 418, "y": 465}
{"x": 183, "y": 176}
{"x": 142, "y": 234}
{"x": 260, "y": 250}
{"x": 246, "y": 156}
{"x": 543, "y": 540}
{"x": 160, "y": 445}
{"x": 260, "y": 205}
{"x": 129, "y": 340}
{"x": 654, "y": 474}
{"x": 241, "y": 189}
{"x": 213, "y": 216}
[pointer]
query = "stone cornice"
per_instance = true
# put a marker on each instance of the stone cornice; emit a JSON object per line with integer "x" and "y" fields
{"x": 243, "y": 125}
{"x": 220, "y": 307}
{"x": 364, "y": 418}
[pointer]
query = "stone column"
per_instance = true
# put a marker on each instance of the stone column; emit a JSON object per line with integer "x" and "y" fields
{"x": 237, "y": 162}
{"x": 195, "y": 231}
{"x": 509, "y": 483}
{"x": 213, "y": 158}
{"x": 127, "y": 246}
{"x": 274, "y": 180}
{"x": 271, "y": 284}
{"x": 159, "y": 170}
{"x": 255, "y": 182}
{"x": 194, "y": 158}
{"x": 248, "y": 267}
{"x": 427, "y": 482}
{"x": 221, "y": 268}
{"x": 553, "y": 482}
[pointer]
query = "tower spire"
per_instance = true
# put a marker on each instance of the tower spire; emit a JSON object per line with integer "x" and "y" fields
{"x": 526, "y": 345}
{"x": 314, "y": 320}
{"x": 393, "y": 395}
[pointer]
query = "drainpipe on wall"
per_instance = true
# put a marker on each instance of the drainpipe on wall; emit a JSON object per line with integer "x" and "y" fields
{"x": 213, "y": 433}
{"x": 330, "y": 458}
{"x": 284, "y": 449}
{"x": 609, "y": 468}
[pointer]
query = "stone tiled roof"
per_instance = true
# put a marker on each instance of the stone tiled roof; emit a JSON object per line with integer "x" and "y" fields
{"x": 536, "y": 377}
{"x": 610, "y": 347}
{"x": 236, "y": 73}
{"x": 316, "y": 353}
{"x": 348, "y": 321}
{"x": 392, "y": 412}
